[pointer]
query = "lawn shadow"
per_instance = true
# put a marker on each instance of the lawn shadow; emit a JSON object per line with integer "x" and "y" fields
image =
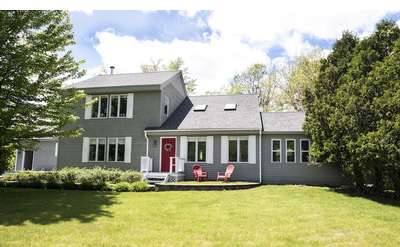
{"x": 19, "y": 206}
{"x": 387, "y": 198}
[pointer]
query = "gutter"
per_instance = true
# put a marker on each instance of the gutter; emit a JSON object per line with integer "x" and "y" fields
{"x": 147, "y": 143}
{"x": 260, "y": 156}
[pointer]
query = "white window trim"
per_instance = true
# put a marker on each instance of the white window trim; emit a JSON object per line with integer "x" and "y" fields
{"x": 238, "y": 138}
{"x": 304, "y": 151}
{"x": 119, "y": 105}
{"x": 116, "y": 149}
{"x": 166, "y": 103}
{"x": 272, "y": 151}
{"x": 286, "y": 150}
{"x": 99, "y": 107}
{"x": 196, "y": 140}
{"x": 97, "y": 149}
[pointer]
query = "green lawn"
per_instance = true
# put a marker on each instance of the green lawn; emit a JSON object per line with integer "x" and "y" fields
{"x": 264, "y": 216}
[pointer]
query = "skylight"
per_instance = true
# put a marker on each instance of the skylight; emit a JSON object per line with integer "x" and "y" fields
{"x": 200, "y": 107}
{"x": 230, "y": 107}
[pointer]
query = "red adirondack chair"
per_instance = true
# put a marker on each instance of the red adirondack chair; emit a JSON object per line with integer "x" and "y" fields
{"x": 198, "y": 173}
{"x": 226, "y": 176}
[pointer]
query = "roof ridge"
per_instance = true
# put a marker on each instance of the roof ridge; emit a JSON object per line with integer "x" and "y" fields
{"x": 130, "y": 73}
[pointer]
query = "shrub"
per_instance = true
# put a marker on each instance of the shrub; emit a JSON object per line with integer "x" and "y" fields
{"x": 125, "y": 186}
{"x": 139, "y": 186}
{"x": 73, "y": 177}
{"x": 131, "y": 176}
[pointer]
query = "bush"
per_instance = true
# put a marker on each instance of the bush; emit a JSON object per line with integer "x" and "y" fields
{"x": 125, "y": 186}
{"x": 72, "y": 178}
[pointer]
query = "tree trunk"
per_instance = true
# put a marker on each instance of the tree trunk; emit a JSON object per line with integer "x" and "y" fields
{"x": 395, "y": 177}
{"x": 379, "y": 186}
{"x": 359, "y": 178}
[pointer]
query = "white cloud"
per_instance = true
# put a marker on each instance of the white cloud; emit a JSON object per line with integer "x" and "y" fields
{"x": 213, "y": 62}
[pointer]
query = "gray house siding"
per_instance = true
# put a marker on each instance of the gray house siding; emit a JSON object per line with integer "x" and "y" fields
{"x": 146, "y": 112}
{"x": 175, "y": 92}
{"x": 243, "y": 171}
{"x": 297, "y": 173}
{"x": 44, "y": 156}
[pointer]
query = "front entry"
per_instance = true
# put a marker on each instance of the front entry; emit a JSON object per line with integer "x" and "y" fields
{"x": 28, "y": 160}
{"x": 168, "y": 149}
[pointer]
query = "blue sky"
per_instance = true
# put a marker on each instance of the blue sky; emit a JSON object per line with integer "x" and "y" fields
{"x": 213, "y": 44}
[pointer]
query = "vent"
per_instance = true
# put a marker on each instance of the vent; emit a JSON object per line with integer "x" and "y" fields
{"x": 230, "y": 107}
{"x": 200, "y": 108}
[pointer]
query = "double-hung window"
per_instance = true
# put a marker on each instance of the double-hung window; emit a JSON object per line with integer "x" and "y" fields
{"x": 238, "y": 150}
{"x": 276, "y": 150}
{"x": 305, "y": 150}
{"x": 290, "y": 150}
{"x": 100, "y": 107}
{"x": 97, "y": 149}
{"x": 116, "y": 149}
{"x": 197, "y": 149}
{"x": 118, "y": 105}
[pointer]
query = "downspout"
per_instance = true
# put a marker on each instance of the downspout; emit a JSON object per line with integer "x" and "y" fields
{"x": 260, "y": 156}
{"x": 147, "y": 143}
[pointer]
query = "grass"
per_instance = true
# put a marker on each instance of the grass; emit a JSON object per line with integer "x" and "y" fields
{"x": 264, "y": 216}
{"x": 210, "y": 183}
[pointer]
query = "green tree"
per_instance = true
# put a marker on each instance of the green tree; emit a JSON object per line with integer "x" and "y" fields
{"x": 342, "y": 117}
{"x": 34, "y": 62}
{"x": 173, "y": 65}
{"x": 258, "y": 79}
{"x": 299, "y": 76}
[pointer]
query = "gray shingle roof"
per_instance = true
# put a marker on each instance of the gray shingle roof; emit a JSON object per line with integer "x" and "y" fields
{"x": 283, "y": 121}
{"x": 246, "y": 116}
{"x": 129, "y": 79}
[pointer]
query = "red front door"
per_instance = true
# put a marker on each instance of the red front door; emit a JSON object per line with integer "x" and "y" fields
{"x": 168, "y": 147}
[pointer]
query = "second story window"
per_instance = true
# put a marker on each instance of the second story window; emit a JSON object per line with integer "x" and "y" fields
{"x": 166, "y": 106}
{"x": 118, "y": 105}
{"x": 100, "y": 107}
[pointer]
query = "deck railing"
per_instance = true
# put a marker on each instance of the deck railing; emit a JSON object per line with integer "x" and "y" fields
{"x": 176, "y": 164}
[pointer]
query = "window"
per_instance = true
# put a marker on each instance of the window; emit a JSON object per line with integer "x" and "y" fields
{"x": 166, "y": 106}
{"x": 100, "y": 107}
{"x": 290, "y": 150}
{"x": 116, "y": 149}
{"x": 230, "y": 107}
{"x": 118, "y": 105}
{"x": 305, "y": 150}
{"x": 276, "y": 150}
{"x": 197, "y": 149}
{"x": 200, "y": 108}
{"x": 97, "y": 149}
{"x": 238, "y": 149}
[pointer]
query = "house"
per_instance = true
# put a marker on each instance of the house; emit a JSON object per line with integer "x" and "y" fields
{"x": 147, "y": 122}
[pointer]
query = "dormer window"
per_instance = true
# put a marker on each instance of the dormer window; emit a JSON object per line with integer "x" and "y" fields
{"x": 200, "y": 108}
{"x": 230, "y": 107}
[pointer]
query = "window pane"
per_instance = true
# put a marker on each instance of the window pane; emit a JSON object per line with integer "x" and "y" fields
{"x": 233, "y": 150}
{"x": 191, "y": 151}
{"x": 305, "y": 145}
{"x": 114, "y": 106}
{"x": 102, "y": 150}
{"x": 244, "y": 151}
{"x": 95, "y": 107}
{"x": 103, "y": 106}
{"x": 92, "y": 150}
{"x": 166, "y": 109}
{"x": 111, "y": 149}
{"x": 290, "y": 145}
{"x": 121, "y": 149}
{"x": 290, "y": 157}
{"x": 305, "y": 156}
{"x": 201, "y": 151}
{"x": 123, "y": 105}
{"x": 276, "y": 156}
{"x": 276, "y": 145}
